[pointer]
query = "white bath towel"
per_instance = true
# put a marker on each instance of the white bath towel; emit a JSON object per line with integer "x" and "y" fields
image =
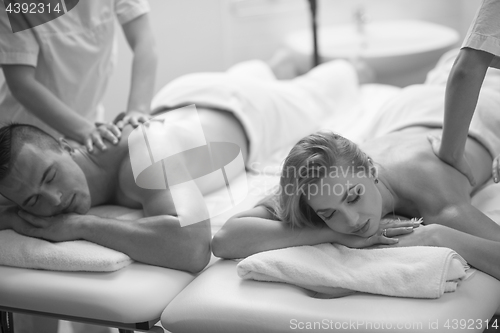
{"x": 423, "y": 105}
{"x": 274, "y": 113}
{"x": 420, "y": 271}
{"x": 27, "y": 252}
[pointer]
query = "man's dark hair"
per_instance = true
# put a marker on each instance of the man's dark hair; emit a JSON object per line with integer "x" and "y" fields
{"x": 12, "y": 139}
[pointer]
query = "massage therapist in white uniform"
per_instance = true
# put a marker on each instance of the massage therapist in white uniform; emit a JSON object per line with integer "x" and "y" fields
{"x": 54, "y": 76}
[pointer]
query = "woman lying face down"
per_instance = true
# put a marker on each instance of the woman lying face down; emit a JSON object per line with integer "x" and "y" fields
{"x": 331, "y": 191}
{"x": 327, "y": 179}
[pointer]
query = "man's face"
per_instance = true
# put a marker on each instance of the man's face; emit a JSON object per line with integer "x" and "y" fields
{"x": 47, "y": 183}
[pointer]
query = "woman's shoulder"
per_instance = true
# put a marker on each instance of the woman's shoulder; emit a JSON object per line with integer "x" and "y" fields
{"x": 427, "y": 186}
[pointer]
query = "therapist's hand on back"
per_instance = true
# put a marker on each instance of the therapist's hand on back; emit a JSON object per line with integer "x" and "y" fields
{"x": 134, "y": 118}
{"x": 102, "y": 132}
{"x": 462, "y": 165}
{"x": 112, "y": 131}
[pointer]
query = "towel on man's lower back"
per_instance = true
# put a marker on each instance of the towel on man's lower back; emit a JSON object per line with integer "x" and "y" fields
{"x": 419, "y": 271}
{"x": 21, "y": 251}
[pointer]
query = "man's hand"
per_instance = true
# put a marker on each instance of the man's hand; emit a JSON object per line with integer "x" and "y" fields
{"x": 58, "y": 228}
{"x": 462, "y": 165}
{"x": 108, "y": 131}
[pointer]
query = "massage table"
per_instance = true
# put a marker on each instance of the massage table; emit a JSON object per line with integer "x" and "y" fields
{"x": 217, "y": 300}
{"x": 131, "y": 298}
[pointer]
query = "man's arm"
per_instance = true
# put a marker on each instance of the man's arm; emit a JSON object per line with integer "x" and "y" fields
{"x": 157, "y": 239}
{"x": 43, "y": 104}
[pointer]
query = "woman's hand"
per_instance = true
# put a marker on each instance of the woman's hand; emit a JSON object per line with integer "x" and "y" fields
{"x": 426, "y": 235}
{"x": 495, "y": 169}
{"x": 60, "y": 228}
{"x": 108, "y": 131}
{"x": 134, "y": 118}
{"x": 462, "y": 165}
{"x": 388, "y": 228}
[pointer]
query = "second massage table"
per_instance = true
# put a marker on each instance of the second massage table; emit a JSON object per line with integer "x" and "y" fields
{"x": 219, "y": 301}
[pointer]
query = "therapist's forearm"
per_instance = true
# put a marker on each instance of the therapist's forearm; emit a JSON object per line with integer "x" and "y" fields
{"x": 156, "y": 240}
{"x": 142, "y": 86}
{"x": 462, "y": 93}
{"x": 42, "y": 103}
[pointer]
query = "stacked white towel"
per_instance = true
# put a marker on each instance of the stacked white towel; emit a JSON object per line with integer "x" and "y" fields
{"x": 419, "y": 271}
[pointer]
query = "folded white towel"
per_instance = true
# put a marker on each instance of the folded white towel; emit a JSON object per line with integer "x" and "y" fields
{"x": 419, "y": 271}
{"x": 27, "y": 252}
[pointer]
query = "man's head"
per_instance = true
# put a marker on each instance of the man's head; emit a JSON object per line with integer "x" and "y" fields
{"x": 39, "y": 174}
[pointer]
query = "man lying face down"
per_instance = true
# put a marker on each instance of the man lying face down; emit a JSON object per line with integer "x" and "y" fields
{"x": 53, "y": 185}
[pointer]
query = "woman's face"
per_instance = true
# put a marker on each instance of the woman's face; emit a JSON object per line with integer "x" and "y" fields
{"x": 349, "y": 204}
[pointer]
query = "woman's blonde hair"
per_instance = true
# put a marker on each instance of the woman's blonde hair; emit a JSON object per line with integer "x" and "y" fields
{"x": 311, "y": 159}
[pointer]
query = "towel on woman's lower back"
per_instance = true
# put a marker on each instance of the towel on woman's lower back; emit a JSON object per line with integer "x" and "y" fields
{"x": 419, "y": 271}
{"x": 27, "y": 252}
{"x": 423, "y": 105}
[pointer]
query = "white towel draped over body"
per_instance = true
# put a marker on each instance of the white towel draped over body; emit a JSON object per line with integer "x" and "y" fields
{"x": 274, "y": 113}
{"x": 423, "y": 105}
{"x": 331, "y": 269}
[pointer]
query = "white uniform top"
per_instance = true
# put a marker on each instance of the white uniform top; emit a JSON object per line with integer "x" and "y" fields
{"x": 73, "y": 55}
{"x": 484, "y": 32}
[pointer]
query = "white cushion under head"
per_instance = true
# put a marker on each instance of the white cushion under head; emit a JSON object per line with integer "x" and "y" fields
{"x": 219, "y": 301}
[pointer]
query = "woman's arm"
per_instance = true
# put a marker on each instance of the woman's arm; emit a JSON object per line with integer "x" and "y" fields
{"x": 256, "y": 230}
{"x": 462, "y": 92}
{"x": 43, "y": 104}
{"x": 46, "y": 106}
{"x": 140, "y": 39}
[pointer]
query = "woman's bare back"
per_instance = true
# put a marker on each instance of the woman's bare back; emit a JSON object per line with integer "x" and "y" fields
{"x": 423, "y": 183}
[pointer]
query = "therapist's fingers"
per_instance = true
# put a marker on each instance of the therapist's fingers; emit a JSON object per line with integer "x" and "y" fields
{"x": 89, "y": 144}
{"x": 97, "y": 140}
{"x": 435, "y": 143}
{"x": 495, "y": 169}
{"x": 110, "y": 132}
{"x": 115, "y": 130}
{"x": 133, "y": 121}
